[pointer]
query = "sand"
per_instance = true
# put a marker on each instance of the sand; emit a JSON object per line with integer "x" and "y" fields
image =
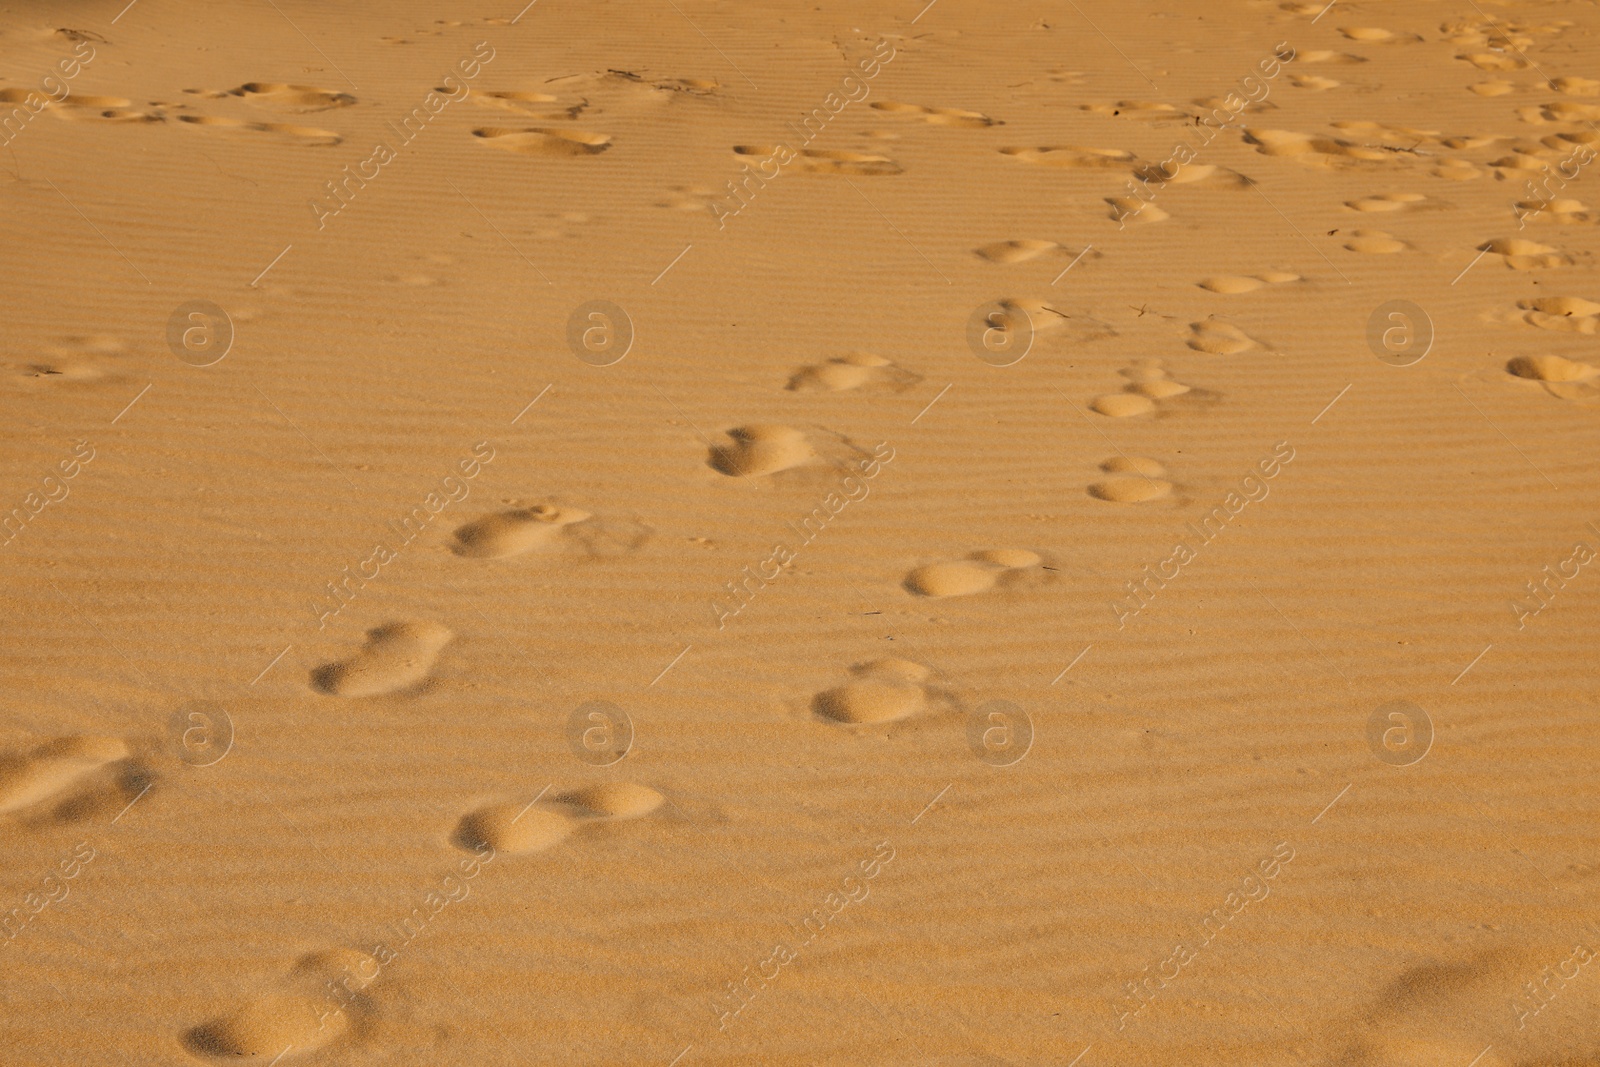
{"x": 800, "y": 534}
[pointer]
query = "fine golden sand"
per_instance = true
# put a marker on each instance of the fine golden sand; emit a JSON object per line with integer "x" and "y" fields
{"x": 800, "y": 533}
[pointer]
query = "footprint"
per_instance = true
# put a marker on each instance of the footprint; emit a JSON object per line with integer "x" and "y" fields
{"x": 762, "y": 448}
{"x": 1312, "y": 81}
{"x": 1238, "y": 283}
{"x": 1496, "y": 61}
{"x": 855, "y": 371}
{"x": 1135, "y": 480}
{"x": 1324, "y": 55}
{"x": 1309, "y": 147}
{"x": 1520, "y": 254}
{"x": 938, "y": 116}
{"x": 829, "y": 161}
{"x": 1076, "y": 157}
{"x": 1147, "y": 383}
{"x": 1377, "y": 35}
{"x": 1218, "y": 338}
{"x": 310, "y": 134}
{"x": 882, "y": 690}
{"x": 1560, "y": 111}
{"x": 1574, "y": 86}
{"x": 55, "y": 768}
{"x": 1135, "y": 209}
{"x": 1565, "y": 378}
{"x": 511, "y": 533}
{"x": 1019, "y": 251}
{"x": 1566, "y": 314}
{"x": 320, "y": 1003}
{"x": 291, "y": 97}
{"x": 1450, "y": 1012}
{"x": 543, "y": 141}
{"x": 1137, "y": 110}
{"x": 978, "y": 573}
{"x": 397, "y": 656}
{"x": 522, "y": 828}
{"x": 1375, "y": 242}
{"x": 1386, "y": 202}
{"x": 1494, "y": 87}
{"x": 1456, "y": 170}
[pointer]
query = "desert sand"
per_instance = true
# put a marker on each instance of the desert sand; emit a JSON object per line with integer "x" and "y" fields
{"x": 879, "y": 533}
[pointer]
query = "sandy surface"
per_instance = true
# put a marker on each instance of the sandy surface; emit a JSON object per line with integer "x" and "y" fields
{"x": 1005, "y": 582}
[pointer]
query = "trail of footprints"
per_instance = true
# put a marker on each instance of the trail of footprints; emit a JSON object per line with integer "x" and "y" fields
{"x": 67, "y": 778}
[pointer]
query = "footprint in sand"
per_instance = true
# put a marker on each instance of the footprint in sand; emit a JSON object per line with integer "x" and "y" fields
{"x": 1204, "y": 175}
{"x": 310, "y": 135}
{"x": 519, "y": 102}
{"x": 1387, "y": 202}
{"x": 1324, "y": 55}
{"x": 320, "y": 1003}
{"x": 1137, "y": 110}
{"x": 1313, "y": 81}
{"x": 1575, "y": 86}
{"x": 1133, "y": 480}
{"x": 1564, "y": 314}
{"x": 74, "y": 360}
{"x": 525, "y": 827}
{"x": 76, "y": 773}
{"x": 511, "y": 533}
{"x": 762, "y": 448}
{"x": 543, "y": 141}
{"x": 1246, "y": 283}
{"x": 1456, "y": 170}
{"x": 1125, "y": 209}
{"x": 282, "y": 95}
{"x": 1147, "y": 384}
{"x": 1377, "y": 35}
{"x": 1494, "y": 87}
{"x": 880, "y": 691}
{"x": 1310, "y": 148}
{"x": 1218, "y": 338}
{"x": 1375, "y": 242}
{"x": 858, "y": 370}
{"x": 1495, "y": 61}
{"x": 978, "y": 573}
{"x": 1023, "y": 250}
{"x": 1520, "y": 254}
{"x": 1453, "y": 1012}
{"x": 1074, "y": 157}
{"x": 397, "y": 656}
{"x": 828, "y": 161}
{"x": 1565, "y": 378}
{"x": 1561, "y": 111}
{"x": 938, "y": 116}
